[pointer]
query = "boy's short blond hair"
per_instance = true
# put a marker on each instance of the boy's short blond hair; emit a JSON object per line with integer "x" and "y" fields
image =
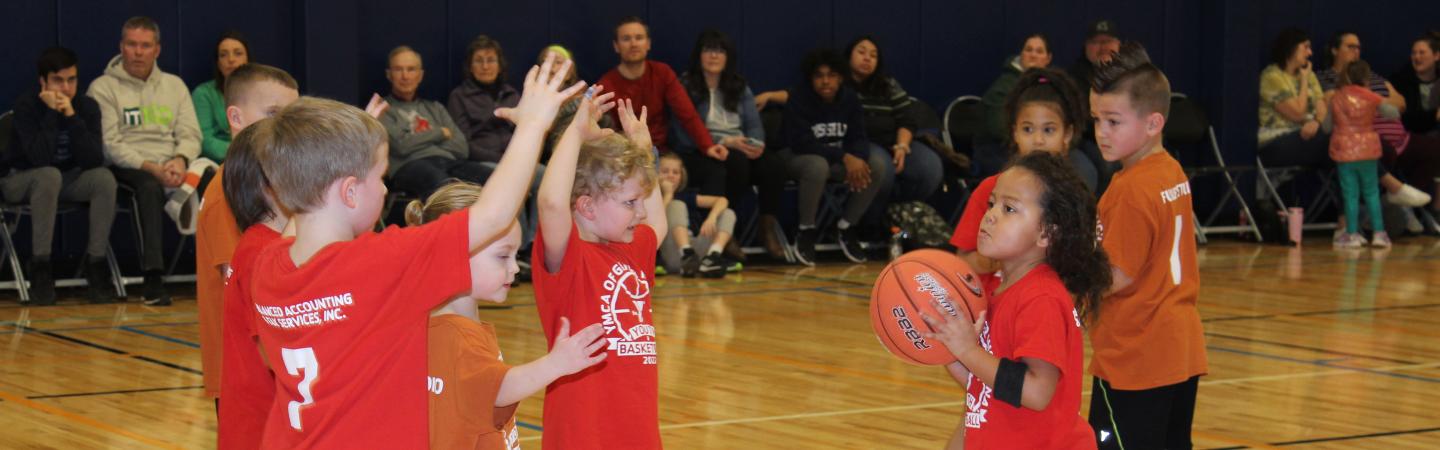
{"x": 606, "y": 163}
{"x": 238, "y": 84}
{"x": 315, "y": 142}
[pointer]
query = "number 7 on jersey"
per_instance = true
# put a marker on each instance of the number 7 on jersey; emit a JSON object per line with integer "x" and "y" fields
{"x": 297, "y": 360}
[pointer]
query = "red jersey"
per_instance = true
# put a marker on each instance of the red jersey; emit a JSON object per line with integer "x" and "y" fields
{"x": 466, "y": 372}
{"x": 613, "y": 404}
{"x": 248, "y": 384}
{"x": 659, "y": 90}
{"x": 1034, "y": 318}
{"x": 346, "y": 333}
{"x": 967, "y": 232}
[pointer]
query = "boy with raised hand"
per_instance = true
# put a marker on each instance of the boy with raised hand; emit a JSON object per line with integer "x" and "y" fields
{"x": 342, "y": 311}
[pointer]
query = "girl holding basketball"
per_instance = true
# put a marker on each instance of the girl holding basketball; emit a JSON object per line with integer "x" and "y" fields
{"x": 1022, "y": 364}
{"x": 1044, "y": 111}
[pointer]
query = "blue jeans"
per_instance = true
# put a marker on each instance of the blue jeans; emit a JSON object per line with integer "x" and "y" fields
{"x": 922, "y": 175}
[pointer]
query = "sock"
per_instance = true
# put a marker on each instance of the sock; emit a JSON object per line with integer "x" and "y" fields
{"x": 715, "y": 249}
{"x": 842, "y": 224}
{"x": 183, "y": 203}
{"x": 806, "y": 227}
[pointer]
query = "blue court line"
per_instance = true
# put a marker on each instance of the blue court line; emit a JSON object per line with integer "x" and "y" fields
{"x": 528, "y": 425}
{"x": 1325, "y": 363}
{"x": 842, "y": 294}
{"x": 159, "y": 336}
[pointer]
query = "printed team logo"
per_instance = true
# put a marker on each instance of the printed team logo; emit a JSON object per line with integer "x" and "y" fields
{"x": 132, "y": 117}
{"x": 977, "y": 406}
{"x": 622, "y": 312}
{"x": 417, "y": 124}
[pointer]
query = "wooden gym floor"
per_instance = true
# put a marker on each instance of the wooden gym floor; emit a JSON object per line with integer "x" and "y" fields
{"x": 1309, "y": 349}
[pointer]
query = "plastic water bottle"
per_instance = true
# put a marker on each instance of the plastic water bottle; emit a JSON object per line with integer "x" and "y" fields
{"x": 897, "y": 242}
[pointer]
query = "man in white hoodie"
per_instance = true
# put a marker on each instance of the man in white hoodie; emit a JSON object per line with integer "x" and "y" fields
{"x": 151, "y": 136}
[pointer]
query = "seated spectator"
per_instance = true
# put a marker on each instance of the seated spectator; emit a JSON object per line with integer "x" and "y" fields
{"x": 1417, "y": 84}
{"x": 152, "y": 138}
{"x": 230, "y": 53}
{"x": 56, "y": 154}
{"x": 726, "y": 104}
{"x": 1292, "y": 106}
{"x": 472, "y": 104}
{"x": 426, "y": 148}
{"x": 824, "y": 133}
{"x": 890, "y": 124}
{"x": 1034, "y": 54}
{"x": 1102, "y": 42}
{"x": 653, "y": 86}
{"x": 678, "y": 251}
{"x": 1420, "y": 167}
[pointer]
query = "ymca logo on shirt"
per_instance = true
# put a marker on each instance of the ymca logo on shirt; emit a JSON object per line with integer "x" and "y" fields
{"x": 978, "y": 406}
{"x": 622, "y": 312}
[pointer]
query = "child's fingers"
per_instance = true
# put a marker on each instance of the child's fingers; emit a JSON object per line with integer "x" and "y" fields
{"x": 594, "y": 347}
{"x": 573, "y": 89}
{"x": 543, "y": 78}
{"x": 505, "y": 113}
{"x": 559, "y": 76}
{"x": 593, "y": 360}
{"x": 644, "y": 113}
{"x": 591, "y": 333}
{"x": 564, "y": 327}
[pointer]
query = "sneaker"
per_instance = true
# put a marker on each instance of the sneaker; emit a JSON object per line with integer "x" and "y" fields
{"x": 1408, "y": 196}
{"x": 689, "y": 265}
{"x": 734, "y": 266}
{"x": 155, "y": 294}
{"x": 660, "y": 271}
{"x": 1380, "y": 240}
{"x": 97, "y": 277}
{"x": 1349, "y": 240}
{"x": 805, "y": 246}
{"x": 712, "y": 266}
{"x": 42, "y": 282}
{"x": 770, "y": 234}
{"x": 850, "y": 244}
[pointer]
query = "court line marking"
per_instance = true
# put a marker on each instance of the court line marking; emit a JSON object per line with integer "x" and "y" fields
{"x": 83, "y": 420}
{"x": 158, "y": 336}
{"x": 75, "y": 340}
{"x": 1324, "y": 364}
{"x": 125, "y": 391}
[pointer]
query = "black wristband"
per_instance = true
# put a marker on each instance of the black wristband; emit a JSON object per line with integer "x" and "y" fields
{"x": 1010, "y": 381}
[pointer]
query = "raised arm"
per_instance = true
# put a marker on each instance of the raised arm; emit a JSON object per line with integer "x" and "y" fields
{"x": 493, "y": 212}
{"x": 553, "y": 199}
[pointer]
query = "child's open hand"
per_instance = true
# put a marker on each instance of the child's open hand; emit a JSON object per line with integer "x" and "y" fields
{"x": 959, "y": 336}
{"x": 542, "y": 96}
{"x": 708, "y": 229}
{"x": 592, "y": 108}
{"x": 571, "y": 353}
{"x": 635, "y": 127}
{"x": 377, "y": 106}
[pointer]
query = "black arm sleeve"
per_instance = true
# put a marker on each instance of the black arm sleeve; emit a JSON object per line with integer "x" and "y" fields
{"x": 1010, "y": 381}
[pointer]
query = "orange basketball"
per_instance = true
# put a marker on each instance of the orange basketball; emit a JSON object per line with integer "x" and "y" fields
{"x": 906, "y": 287}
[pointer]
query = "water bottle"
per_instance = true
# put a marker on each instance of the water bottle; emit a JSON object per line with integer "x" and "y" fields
{"x": 897, "y": 242}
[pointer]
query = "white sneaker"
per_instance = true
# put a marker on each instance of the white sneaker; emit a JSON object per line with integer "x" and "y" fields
{"x": 1408, "y": 196}
{"x": 1349, "y": 240}
{"x": 1381, "y": 240}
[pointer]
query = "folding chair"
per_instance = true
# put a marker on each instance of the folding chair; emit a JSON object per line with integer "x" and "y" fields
{"x": 1188, "y": 126}
{"x": 964, "y": 123}
{"x": 1271, "y": 178}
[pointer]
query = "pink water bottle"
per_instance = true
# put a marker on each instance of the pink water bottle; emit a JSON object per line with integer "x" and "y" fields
{"x": 1296, "y": 218}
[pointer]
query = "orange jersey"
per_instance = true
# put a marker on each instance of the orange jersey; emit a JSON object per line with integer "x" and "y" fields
{"x": 1149, "y": 334}
{"x": 216, "y": 236}
{"x": 466, "y": 371}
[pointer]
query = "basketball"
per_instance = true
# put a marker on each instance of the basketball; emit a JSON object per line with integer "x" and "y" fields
{"x": 906, "y": 287}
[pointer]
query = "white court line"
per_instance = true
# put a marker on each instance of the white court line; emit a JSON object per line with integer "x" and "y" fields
{"x": 710, "y": 423}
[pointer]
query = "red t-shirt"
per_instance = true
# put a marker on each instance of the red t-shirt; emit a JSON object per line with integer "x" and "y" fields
{"x": 613, "y": 404}
{"x": 1034, "y": 318}
{"x": 248, "y": 384}
{"x": 346, "y": 333}
{"x": 967, "y": 232}
{"x": 659, "y": 90}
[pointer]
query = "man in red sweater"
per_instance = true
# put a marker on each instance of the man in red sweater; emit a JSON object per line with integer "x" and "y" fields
{"x": 653, "y": 86}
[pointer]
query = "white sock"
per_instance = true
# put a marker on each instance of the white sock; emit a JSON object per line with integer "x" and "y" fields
{"x": 842, "y": 224}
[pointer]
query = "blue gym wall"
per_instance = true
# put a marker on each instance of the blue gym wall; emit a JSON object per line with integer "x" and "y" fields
{"x": 939, "y": 49}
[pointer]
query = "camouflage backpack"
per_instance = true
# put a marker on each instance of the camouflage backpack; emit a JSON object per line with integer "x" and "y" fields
{"x": 923, "y": 226}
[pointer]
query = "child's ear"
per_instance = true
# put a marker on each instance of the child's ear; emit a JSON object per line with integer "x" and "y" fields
{"x": 232, "y": 115}
{"x": 1154, "y": 124}
{"x": 585, "y": 205}
{"x": 1043, "y": 241}
{"x": 347, "y": 188}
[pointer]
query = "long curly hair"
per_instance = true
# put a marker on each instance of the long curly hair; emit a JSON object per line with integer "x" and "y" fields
{"x": 1069, "y": 221}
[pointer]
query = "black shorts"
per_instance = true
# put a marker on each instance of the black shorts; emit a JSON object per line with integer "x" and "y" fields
{"x": 1144, "y": 419}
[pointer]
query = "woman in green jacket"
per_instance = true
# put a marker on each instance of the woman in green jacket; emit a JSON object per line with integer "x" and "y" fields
{"x": 230, "y": 53}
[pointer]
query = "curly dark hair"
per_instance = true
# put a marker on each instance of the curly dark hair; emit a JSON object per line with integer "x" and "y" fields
{"x": 1069, "y": 220}
{"x": 732, "y": 85}
{"x": 1045, "y": 85}
{"x": 823, "y": 57}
